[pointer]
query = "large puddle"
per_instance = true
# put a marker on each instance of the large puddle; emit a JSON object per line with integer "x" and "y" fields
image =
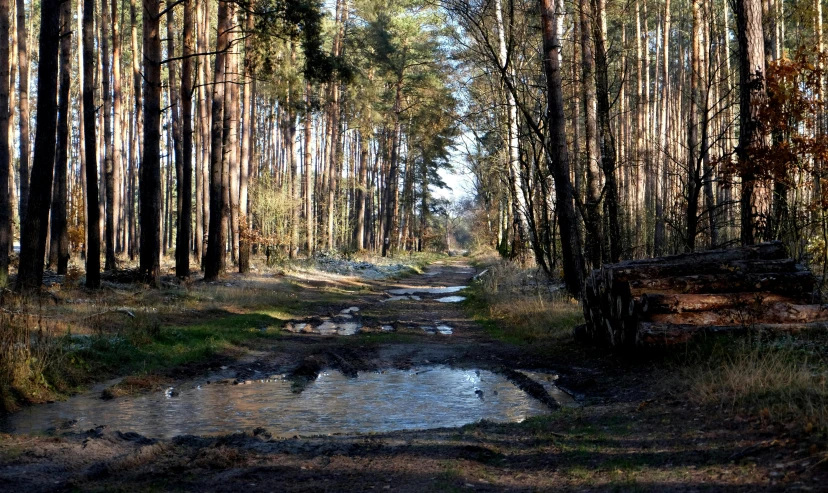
{"x": 419, "y": 398}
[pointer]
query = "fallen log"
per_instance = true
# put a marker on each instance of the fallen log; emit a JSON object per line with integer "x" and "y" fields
{"x": 720, "y": 290}
{"x": 772, "y": 250}
{"x": 652, "y": 303}
{"x": 773, "y": 313}
{"x": 626, "y": 273}
{"x": 795, "y": 283}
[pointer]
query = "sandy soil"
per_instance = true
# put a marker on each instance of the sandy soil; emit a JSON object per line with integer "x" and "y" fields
{"x": 626, "y": 434}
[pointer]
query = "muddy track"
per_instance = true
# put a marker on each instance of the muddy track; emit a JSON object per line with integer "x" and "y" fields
{"x": 617, "y": 442}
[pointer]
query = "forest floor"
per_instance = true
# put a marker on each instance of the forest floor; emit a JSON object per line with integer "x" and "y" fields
{"x": 632, "y": 428}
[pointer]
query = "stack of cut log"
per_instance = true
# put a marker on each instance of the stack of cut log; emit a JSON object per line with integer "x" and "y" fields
{"x": 668, "y": 300}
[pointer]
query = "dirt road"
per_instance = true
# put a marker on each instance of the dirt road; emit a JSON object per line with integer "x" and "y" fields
{"x": 621, "y": 438}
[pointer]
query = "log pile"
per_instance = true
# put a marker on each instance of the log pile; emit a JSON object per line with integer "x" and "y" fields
{"x": 668, "y": 300}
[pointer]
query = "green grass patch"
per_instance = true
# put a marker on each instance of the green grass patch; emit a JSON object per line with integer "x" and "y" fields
{"x": 173, "y": 345}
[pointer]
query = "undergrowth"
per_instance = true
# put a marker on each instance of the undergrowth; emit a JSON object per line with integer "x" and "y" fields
{"x": 776, "y": 378}
{"x": 522, "y": 306}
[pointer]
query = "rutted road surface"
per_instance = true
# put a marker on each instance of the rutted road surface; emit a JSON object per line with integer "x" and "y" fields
{"x": 423, "y": 363}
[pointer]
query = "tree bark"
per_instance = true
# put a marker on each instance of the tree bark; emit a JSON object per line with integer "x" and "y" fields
{"x": 59, "y": 248}
{"x": 151, "y": 201}
{"x": 749, "y": 31}
{"x": 204, "y": 126}
{"x": 109, "y": 164}
{"x": 592, "y": 214}
{"x": 246, "y": 146}
{"x": 606, "y": 136}
{"x": 214, "y": 264}
{"x": 117, "y": 130}
{"x": 5, "y": 161}
{"x": 659, "y": 239}
{"x": 136, "y": 152}
{"x": 182, "y": 246}
{"x": 35, "y": 228}
{"x": 93, "y": 233}
{"x": 23, "y": 108}
{"x": 557, "y": 154}
{"x": 310, "y": 222}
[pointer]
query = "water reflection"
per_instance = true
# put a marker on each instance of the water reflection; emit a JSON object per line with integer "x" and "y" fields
{"x": 451, "y": 299}
{"x": 390, "y": 400}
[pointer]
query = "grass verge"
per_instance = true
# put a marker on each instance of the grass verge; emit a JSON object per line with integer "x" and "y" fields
{"x": 518, "y": 306}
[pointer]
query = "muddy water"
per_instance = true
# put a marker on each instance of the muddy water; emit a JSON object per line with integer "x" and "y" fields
{"x": 420, "y": 398}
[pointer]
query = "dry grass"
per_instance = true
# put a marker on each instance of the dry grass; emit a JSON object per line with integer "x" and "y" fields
{"x": 29, "y": 355}
{"x": 524, "y": 305}
{"x": 779, "y": 380}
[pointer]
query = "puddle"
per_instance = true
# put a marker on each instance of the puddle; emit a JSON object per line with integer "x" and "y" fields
{"x": 451, "y": 299}
{"x": 418, "y": 398}
{"x": 387, "y": 328}
{"x": 346, "y": 323}
{"x": 442, "y": 290}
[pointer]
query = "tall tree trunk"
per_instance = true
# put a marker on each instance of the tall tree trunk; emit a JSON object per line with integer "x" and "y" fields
{"x": 661, "y": 172}
{"x": 246, "y": 146}
{"x": 607, "y": 137}
{"x": 150, "y": 200}
{"x": 178, "y": 150}
{"x": 214, "y": 264}
{"x": 390, "y": 202}
{"x": 290, "y": 144}
{"x": 136, "y": 152}
{"x": 592, "y": 219}
{"x": 557, "y": 154}
{"x": 23, "y": 108}
{"x": 310, "y": 222}
{"x": 93, "y": 233}
{"x": 517, "y": 187}
{"x": 182, "y": 245}
{"x": 35, "y": 228}
{"x": 361, "y": 195}
{"x": 693, "y": 159}
{"x": 59, "y": 248}
{"x": 204, "y": 125}
{"x": 109, "y": 168}
{"x": 751, "y": 95}
{"x": 117, "y": 131}
{"x": 5, "y": 161}
{"x": 231, "y": 140}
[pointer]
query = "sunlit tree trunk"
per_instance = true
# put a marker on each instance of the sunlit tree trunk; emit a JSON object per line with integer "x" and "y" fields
{"x": 23, "y": 107}
{"x": 752, "y": 93}
{"x": 310, "y": 222}
{"x": 117, "y": 130}
{"x": 204, "y": 125}
{"x": 185, "y": 190}
{"x": 592, "y": 219}
{"x": 246, "y": 146}
{"x": 215, "y": 262}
